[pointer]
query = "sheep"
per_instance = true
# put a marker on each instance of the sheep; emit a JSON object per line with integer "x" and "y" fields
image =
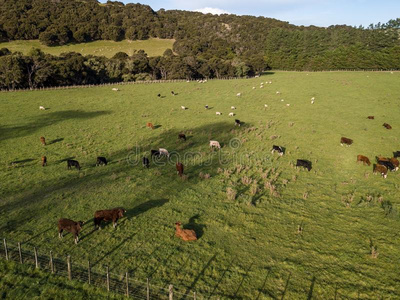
{"x": 254, "y": 87}
{"x": 265, "y": 105}
{"x": 288, "y": 104}
{"x": 185, "y": 234}
{"x": 42, "y": 108}
{"x": 163, "y": 151}
{"x": 231, "y": 114}
{"x": 282, "y": 100}
{"x": 232, "y": 107}
{"x": 312, "y": 101}
{"x": 115, "y": 89}
{"x": 183, "y": 107}
{"x": 215, "y": 144}
{"x": 261, "y": 86}
{"x": 313, "y": 98}
{"x": 278, "y": 92}
{"x": 218, "y": 113}
{"x": 239, "y": 94}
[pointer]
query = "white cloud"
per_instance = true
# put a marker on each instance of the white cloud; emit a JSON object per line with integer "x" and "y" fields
{"x": 212, "y": 10}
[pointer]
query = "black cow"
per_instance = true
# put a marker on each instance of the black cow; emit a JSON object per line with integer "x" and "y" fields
{"x": 73, "y": 163}
{"x": 182, "y": 136}
{"x": 396, "y": 154}
{"x": 304, "y": 163}
{"x": 71, "y": 226}
{"x": 172, "y": 93}
{"x": 206, "y": 106}
{"x": 101, "y": 161}
{"x": 237, "y": 122}
{"x": 279, "y": 149}
{"x": 108, "y": 215}
{"x": 159, "y": 95}
{"x": 145, "y": 162}
{"x": 388, "y": 164}
{"x": 155, "y": 153}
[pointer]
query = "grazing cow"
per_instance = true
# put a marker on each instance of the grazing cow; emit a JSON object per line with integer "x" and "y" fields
{"x": 42, "y": 108}
{"x": 237, "y": 122}
{"x": 206, "y": 106}
{"x": 150, "y": 125}
{"x": 73, "y": 163}
{"x": 172, "y": 93}
{"x": 43, "y": 141}
{"x": 70, "y": 226}
{"x": 388, "y": 164}
{"x": 279, "y": 149}
{"x": 183, "y": 107}
{"x": 396, "y": 154}
{"x": 232, "y": 107}
{"x": 395, "y": 162}
{"x": 179, "y": 168}
{"x": 44, "y": 161}
{"x": 363, "y": 159}
{"x": 304, "y": 163}
{"x": 218, "y": 113}
{"x": 371, "y": 117}
{"x": 163, "y": 151}
{"x": 146, "y": 162}
{"x": 159, "y": 95}
{"x": 346, "y": 141}
{"x": 184, "y": 234}
{"x": 101, "y": 161}
{"x": 387, "y": 126}
{"x": 108, "y": 215}
{"x": 381, "y": 170}
{"x": 182, "y": 136}
{"x": 215, "y": 144}
{"x": 155, "y": 153}
{"x": 231, "y": 114}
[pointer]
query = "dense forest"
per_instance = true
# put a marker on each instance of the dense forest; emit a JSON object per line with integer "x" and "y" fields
{"x": 206, "y": 45}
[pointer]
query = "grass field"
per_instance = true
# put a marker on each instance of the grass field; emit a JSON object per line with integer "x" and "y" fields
{"x": 153, "y": 47}
{"x": 249, "y": 246}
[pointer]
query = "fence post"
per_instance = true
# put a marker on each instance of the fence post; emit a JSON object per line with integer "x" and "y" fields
{"x": 89, "y": 275}
{"x": 5, "y": 248}
{"x": 20, "y": 252}
{"x": 69, "y": 267}
{"x": 51, "y": 262}
{"x": 36, "y": 257}
{"x": 171, "y": 292}
{"x": 148, "y": 289}
{"x": 108, "y": 279}
{"x": 127, "y": 284}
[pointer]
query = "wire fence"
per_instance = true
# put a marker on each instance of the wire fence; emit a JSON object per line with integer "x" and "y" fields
{"x": 66, "y": 267}
{"x": 184, "y": 80}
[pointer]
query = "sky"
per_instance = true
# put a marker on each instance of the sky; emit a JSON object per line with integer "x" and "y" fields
{"x": 299, "y": 12}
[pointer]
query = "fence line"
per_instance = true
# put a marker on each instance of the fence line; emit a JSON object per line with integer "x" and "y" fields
{"x": 66, "y": 267}
{"x": 184, "y": 80}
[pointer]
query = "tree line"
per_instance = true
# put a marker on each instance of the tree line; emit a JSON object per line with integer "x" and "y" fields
{"x": 206, "y": 45}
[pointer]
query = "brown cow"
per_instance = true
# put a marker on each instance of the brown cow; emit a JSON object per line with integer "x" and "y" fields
{"x": 371, "y": 117}
{"x": 387, "y": 126}
{"x": 179, "y": 168}
{"x": 346, "y": 141}
{"x": 182, "y": 136}
{"x": 150, "y": 125}
{"x": 43, "y": 141}
{"x": 44, "y": 161}
{"x": 395, "y": 162}
{"x": 381, "y": 170}
{"x": 70, "y": 226}
{"x": 363, "y": 159}
{"x": 108, "y": 215}
{"x": 185, "y": 234}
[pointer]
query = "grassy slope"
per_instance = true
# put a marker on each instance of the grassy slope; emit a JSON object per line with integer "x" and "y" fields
{"x": 245, "y": 251}
{"x": 152, "y": 47}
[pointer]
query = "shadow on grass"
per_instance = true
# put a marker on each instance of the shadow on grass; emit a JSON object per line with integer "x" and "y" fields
{"x": 55, "y": 141}
{"x": 262, "y": 289}
{"x": 22, "y": 161}
{"x": 193, "y": 225}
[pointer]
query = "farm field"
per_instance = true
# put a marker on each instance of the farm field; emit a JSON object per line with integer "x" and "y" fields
{"x": 245, "y": 203}
{"x": 153, "y": 47}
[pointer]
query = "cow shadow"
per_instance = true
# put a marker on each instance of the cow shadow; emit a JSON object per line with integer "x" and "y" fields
{"x": 145, "y": 206}
{"x": 157, "y": 126}
{"x": 22, "y": 161}
{"x": 193, "y": 225}
{"x": 55, "y": 141}
{"x": 64, "y": 159}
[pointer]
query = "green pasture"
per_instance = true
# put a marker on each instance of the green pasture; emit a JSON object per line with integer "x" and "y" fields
{"x": 245, "y": 204}
{"x": 153, "y": 47}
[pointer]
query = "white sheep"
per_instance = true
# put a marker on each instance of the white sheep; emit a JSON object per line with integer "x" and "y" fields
{"x": 312, "y": 101}
{"x": 282, "y": 100}
{"x": 215, "y": 144}
{"x": 231, "y": 114}
{"x": 183, "y": 107}
{"x": 239, "y": 94}
{"x": 115, "y": 89}
{"x": 265, "y": 105}
{"x": 232, "y": 107}
{"x": 288, "y": 104}
{"x": 218, "y": 113}
{"x": 254, "y": 87}
{"x": 261, "y": 86}
{"x": 313, "y": 98}
{"x": 278, "y": 92}
{"x": 42, "y": 108}
{"x": 163, "y": 151}
{"x": 256, "y": 76}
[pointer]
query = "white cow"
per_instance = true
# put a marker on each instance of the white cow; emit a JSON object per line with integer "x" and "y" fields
{"x": 218, "y": 113}
{"x": 183, "y": 107}
{"x": 42, "y": 108}
{"x": 215, "y": 144}
{"x": 163, "y": 152}
{"x": 231, "y": 114}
